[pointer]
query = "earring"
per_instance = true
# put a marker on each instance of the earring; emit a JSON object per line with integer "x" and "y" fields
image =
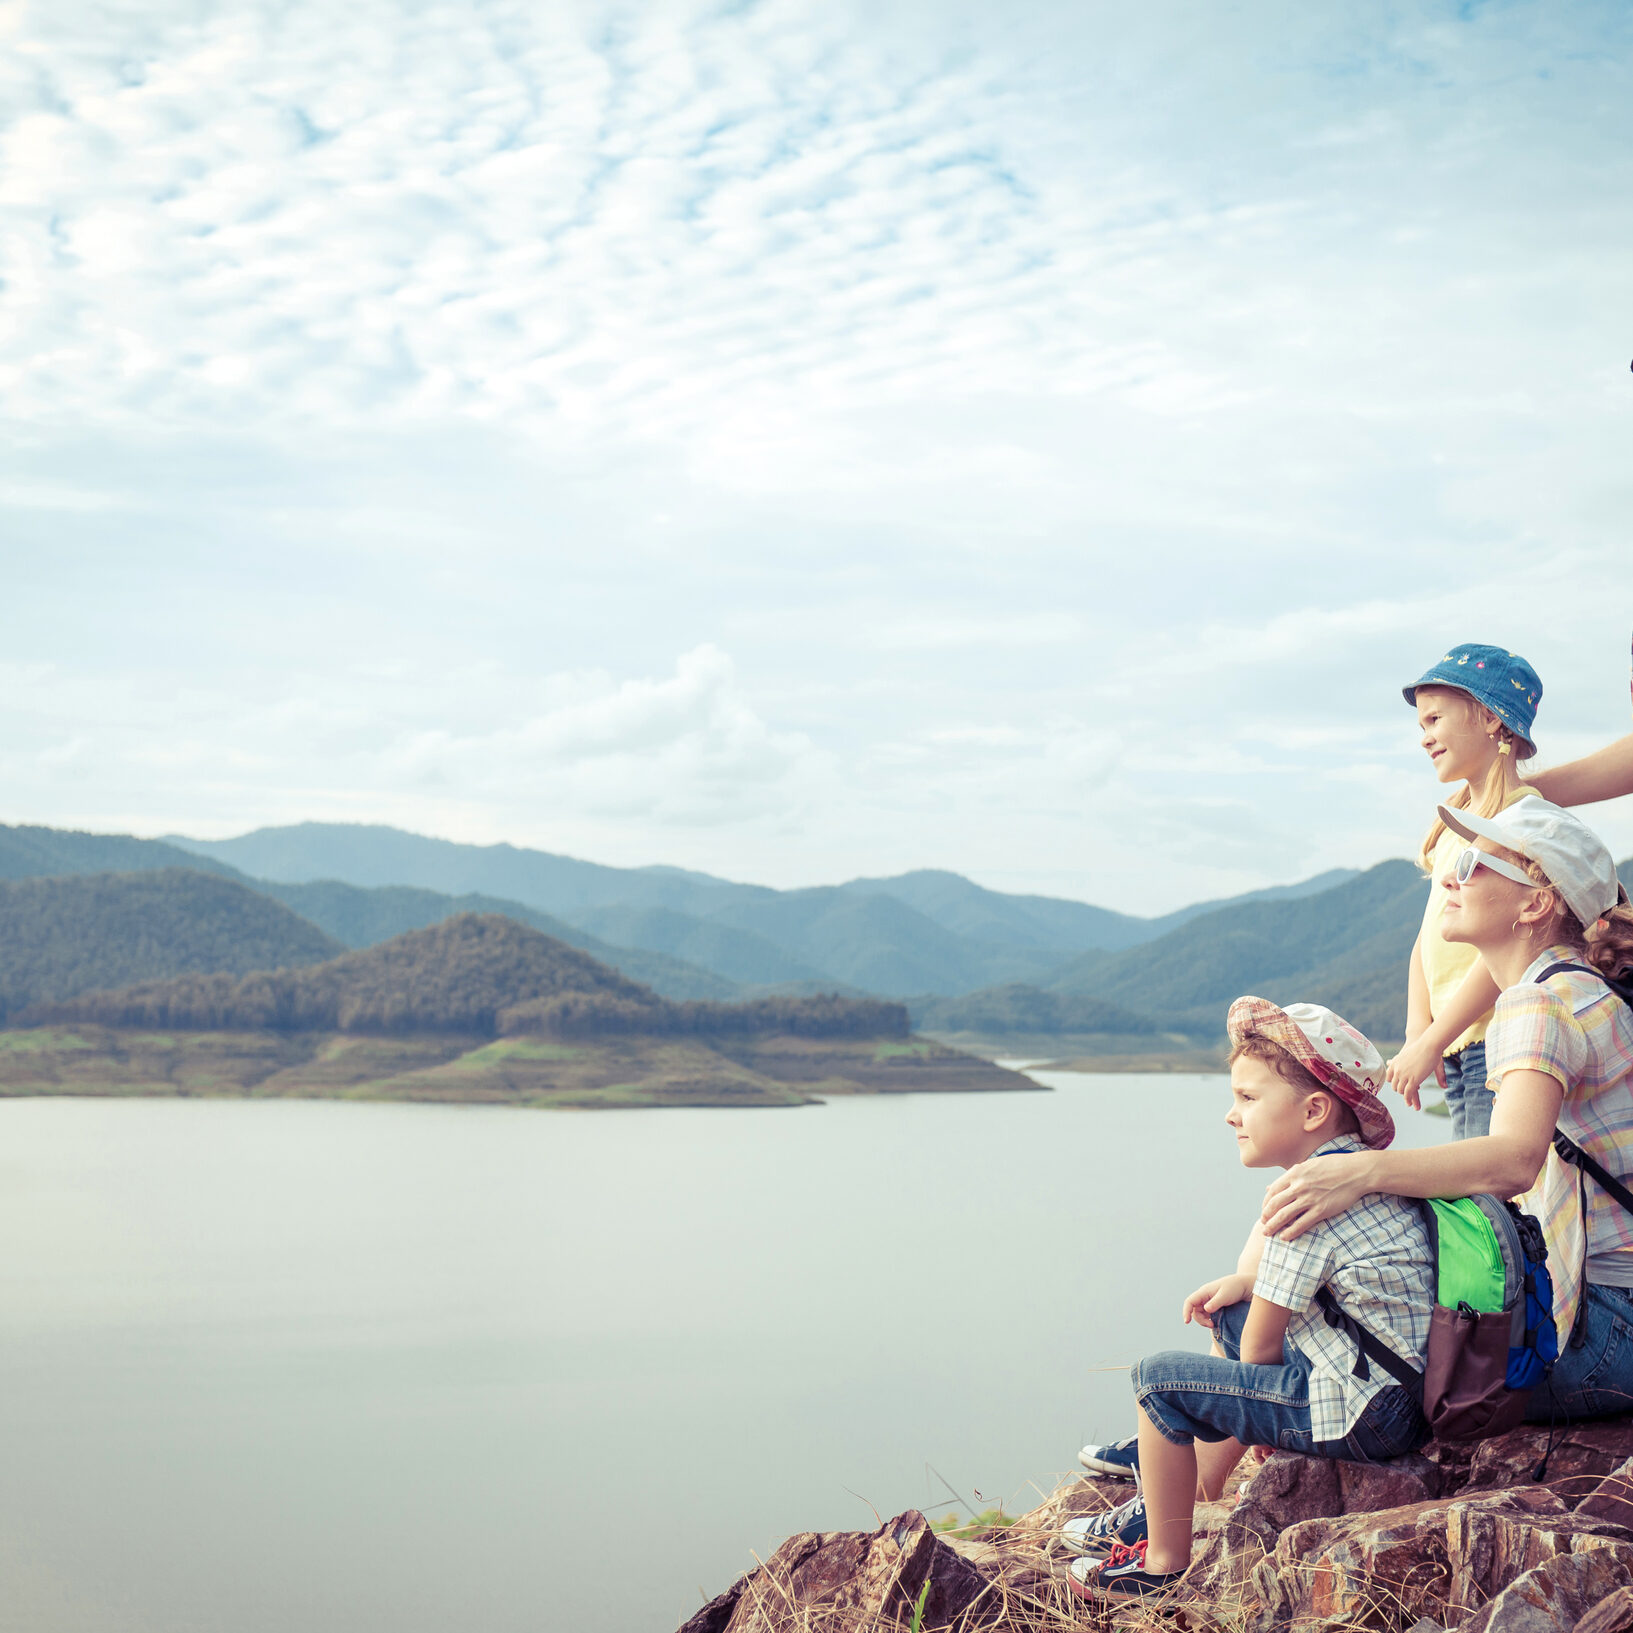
{"x": 1502, "y": 748}
{"x": 1514, "y": 930}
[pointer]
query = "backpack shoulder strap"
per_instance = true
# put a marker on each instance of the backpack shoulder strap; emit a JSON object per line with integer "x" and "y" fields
{"x": 1567, "y": 1148}
{"x": 1571, "y": 1152}
{"x": 1573, "y": 969}
{"x": 1621, "y": 984}
{"x": 1366, "y": 1346}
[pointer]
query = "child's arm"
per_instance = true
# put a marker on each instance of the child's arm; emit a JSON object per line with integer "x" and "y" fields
{"x": 1424, "y": 1054}
{"x": 1418, "y": 1012}
{"x": 1419, "y": 1018}
{"x": 1224, "y": 1291}
{"x": 1263, "y": 1332}
{"x": 1605, "y": 774}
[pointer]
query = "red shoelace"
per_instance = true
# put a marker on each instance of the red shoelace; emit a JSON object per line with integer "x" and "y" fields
{"x": 1123, "y": 1552}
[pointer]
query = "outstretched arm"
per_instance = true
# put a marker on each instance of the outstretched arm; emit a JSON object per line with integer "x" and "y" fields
{"x": 1605, "y": 774}
{"x": 1505, "y": 1161}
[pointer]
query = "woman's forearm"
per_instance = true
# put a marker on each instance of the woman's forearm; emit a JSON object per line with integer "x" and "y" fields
{"x": 1604, "y": 774}
{"x": 1492, "y": 1162}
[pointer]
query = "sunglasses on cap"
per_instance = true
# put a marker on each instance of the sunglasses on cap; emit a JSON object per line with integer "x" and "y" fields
{"x": 1472, "y": 858}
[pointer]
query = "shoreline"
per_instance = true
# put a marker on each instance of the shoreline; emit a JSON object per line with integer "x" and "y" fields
{"x": 626, "y": 1073}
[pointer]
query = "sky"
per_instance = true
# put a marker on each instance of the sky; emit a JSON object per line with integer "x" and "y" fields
{"x": 805, "y": 441}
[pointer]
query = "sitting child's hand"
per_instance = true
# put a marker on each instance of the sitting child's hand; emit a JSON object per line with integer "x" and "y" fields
{"x": 1411, "y": 1068}
{"x": 1215, "y": 1295}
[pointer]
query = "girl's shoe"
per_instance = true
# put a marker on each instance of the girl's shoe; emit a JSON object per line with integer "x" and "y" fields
{"x": 1122, "y": 1575}
{"x": 1096, "y": 1534}
{"x": 1121, "y": 1459}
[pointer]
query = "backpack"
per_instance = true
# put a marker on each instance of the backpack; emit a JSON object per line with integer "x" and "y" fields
{"x": 1491, "y": 1333}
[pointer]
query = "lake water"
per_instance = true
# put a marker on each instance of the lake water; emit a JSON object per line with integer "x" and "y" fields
{"x": 268, "y": 1366}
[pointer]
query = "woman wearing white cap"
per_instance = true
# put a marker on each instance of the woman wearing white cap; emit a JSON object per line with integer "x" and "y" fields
{"x": 1535, "y": 890}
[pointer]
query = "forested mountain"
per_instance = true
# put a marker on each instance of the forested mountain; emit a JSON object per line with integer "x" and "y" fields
{"x": 1347, "y": 948}
{"x": 925, "y": 932}
{"x": 359, "y": 916}
{"x": 1050, "y": 923}
{"x": 1013, "y": 961}
{"x": 37, "y": 853}
{"x": 474, "y": 973}
{"x": 455, "y": 976}
{"x": 1016, "y": 1010}
{"x": 67, "y": 935}
{"x": 738, "y": 956}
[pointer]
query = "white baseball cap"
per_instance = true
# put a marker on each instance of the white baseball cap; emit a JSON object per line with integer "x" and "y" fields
{"x": 1577, "y": 861}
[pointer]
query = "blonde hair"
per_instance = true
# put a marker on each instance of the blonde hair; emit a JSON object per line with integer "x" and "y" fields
{"x": 1607, "y": 943}
{"x": 1294, "y": 1074}
{"x": 1501, "y": 782}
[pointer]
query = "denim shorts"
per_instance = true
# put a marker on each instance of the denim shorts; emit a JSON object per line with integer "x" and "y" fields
{"x": 1467, "y": 1098}
{"x": 1211, "y": 1397}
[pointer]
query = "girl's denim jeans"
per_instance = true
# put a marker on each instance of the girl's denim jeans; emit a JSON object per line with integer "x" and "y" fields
{"x": 1467, "y": 1097}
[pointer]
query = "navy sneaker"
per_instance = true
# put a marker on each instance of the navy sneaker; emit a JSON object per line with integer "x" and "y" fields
{"x": 1101, "y": 1533}
{"x": 1121, "y": 1459}
{"x": 1123, "y": 1575}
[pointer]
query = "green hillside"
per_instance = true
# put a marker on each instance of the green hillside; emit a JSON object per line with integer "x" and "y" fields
{"x": 361, "y": 916}
{"x": 34, "y": 853}
{"x": 1017, "y": 1010}
{"x": 68, "y": 935}
{"x": 1343, "y": 940}
{"x": 475, "y": 973}
{"x": 740, "y": 956}
{"x": 922, "y": 932}
{"x": 455, "y": 976}
{"x": 1049, "y": 923}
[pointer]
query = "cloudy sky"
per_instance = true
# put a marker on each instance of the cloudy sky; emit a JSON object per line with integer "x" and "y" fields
{"x": 800, "y": 441}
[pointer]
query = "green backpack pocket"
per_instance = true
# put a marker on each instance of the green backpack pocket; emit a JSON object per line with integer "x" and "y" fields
{"x": 1472, "y": 1268}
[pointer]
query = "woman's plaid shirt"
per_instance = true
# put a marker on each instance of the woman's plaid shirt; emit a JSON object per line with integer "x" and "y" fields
{"x": 1575, "y": 1029}
{"x": 1375, "y": 1257}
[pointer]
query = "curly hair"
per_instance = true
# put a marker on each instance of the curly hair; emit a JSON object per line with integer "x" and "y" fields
{"x": 1607, "y": 943}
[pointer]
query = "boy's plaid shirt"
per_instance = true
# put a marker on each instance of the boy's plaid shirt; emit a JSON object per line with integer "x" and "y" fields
{"x": 1575, "y": 1029}
{"x": 1375, "y": 1257}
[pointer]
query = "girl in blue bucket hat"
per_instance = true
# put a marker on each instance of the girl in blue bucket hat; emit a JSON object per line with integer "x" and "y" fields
{"x": 1477, "y": 708}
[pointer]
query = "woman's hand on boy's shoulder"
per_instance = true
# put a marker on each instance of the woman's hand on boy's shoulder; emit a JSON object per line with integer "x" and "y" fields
{"x": 1417, "y": 1062}
{"x": 1313, "y": 1190}
{"x": 1218, "y": 1294}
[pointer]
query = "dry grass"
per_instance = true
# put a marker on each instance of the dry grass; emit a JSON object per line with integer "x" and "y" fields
{"x": 1025, "y": 1561}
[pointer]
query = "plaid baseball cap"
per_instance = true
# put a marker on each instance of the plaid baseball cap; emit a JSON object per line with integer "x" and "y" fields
{"x": 1497, "y": 680}
{"x": 1340, "y": 1059}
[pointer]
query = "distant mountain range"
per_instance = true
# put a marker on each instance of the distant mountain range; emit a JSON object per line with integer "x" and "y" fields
{"x": 1346, "y": 947}
{"x": 924, "y": 932}
{"x": 967, "y": 959}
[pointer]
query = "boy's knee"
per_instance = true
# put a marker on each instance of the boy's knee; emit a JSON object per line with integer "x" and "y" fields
{"x": 1156, "y": 1370}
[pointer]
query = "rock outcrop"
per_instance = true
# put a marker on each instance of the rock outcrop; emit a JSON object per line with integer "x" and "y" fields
{"x": 1530, "y": 1532}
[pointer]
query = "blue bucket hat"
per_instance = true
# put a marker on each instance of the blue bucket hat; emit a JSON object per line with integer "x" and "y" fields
{"x": 1497, "y": 680}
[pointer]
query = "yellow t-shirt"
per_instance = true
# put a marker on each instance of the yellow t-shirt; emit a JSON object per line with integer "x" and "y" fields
{"x": 1445, "y": 963}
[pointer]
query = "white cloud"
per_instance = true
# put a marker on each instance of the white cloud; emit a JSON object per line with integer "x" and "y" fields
{"x": 1074, "y": 423}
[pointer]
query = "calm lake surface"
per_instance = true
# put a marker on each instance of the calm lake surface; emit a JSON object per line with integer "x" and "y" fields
{"x": 343, "y": 1368}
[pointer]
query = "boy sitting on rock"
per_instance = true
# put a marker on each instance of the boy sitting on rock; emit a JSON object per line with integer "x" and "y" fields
{"x": 1284, "y": 1372}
